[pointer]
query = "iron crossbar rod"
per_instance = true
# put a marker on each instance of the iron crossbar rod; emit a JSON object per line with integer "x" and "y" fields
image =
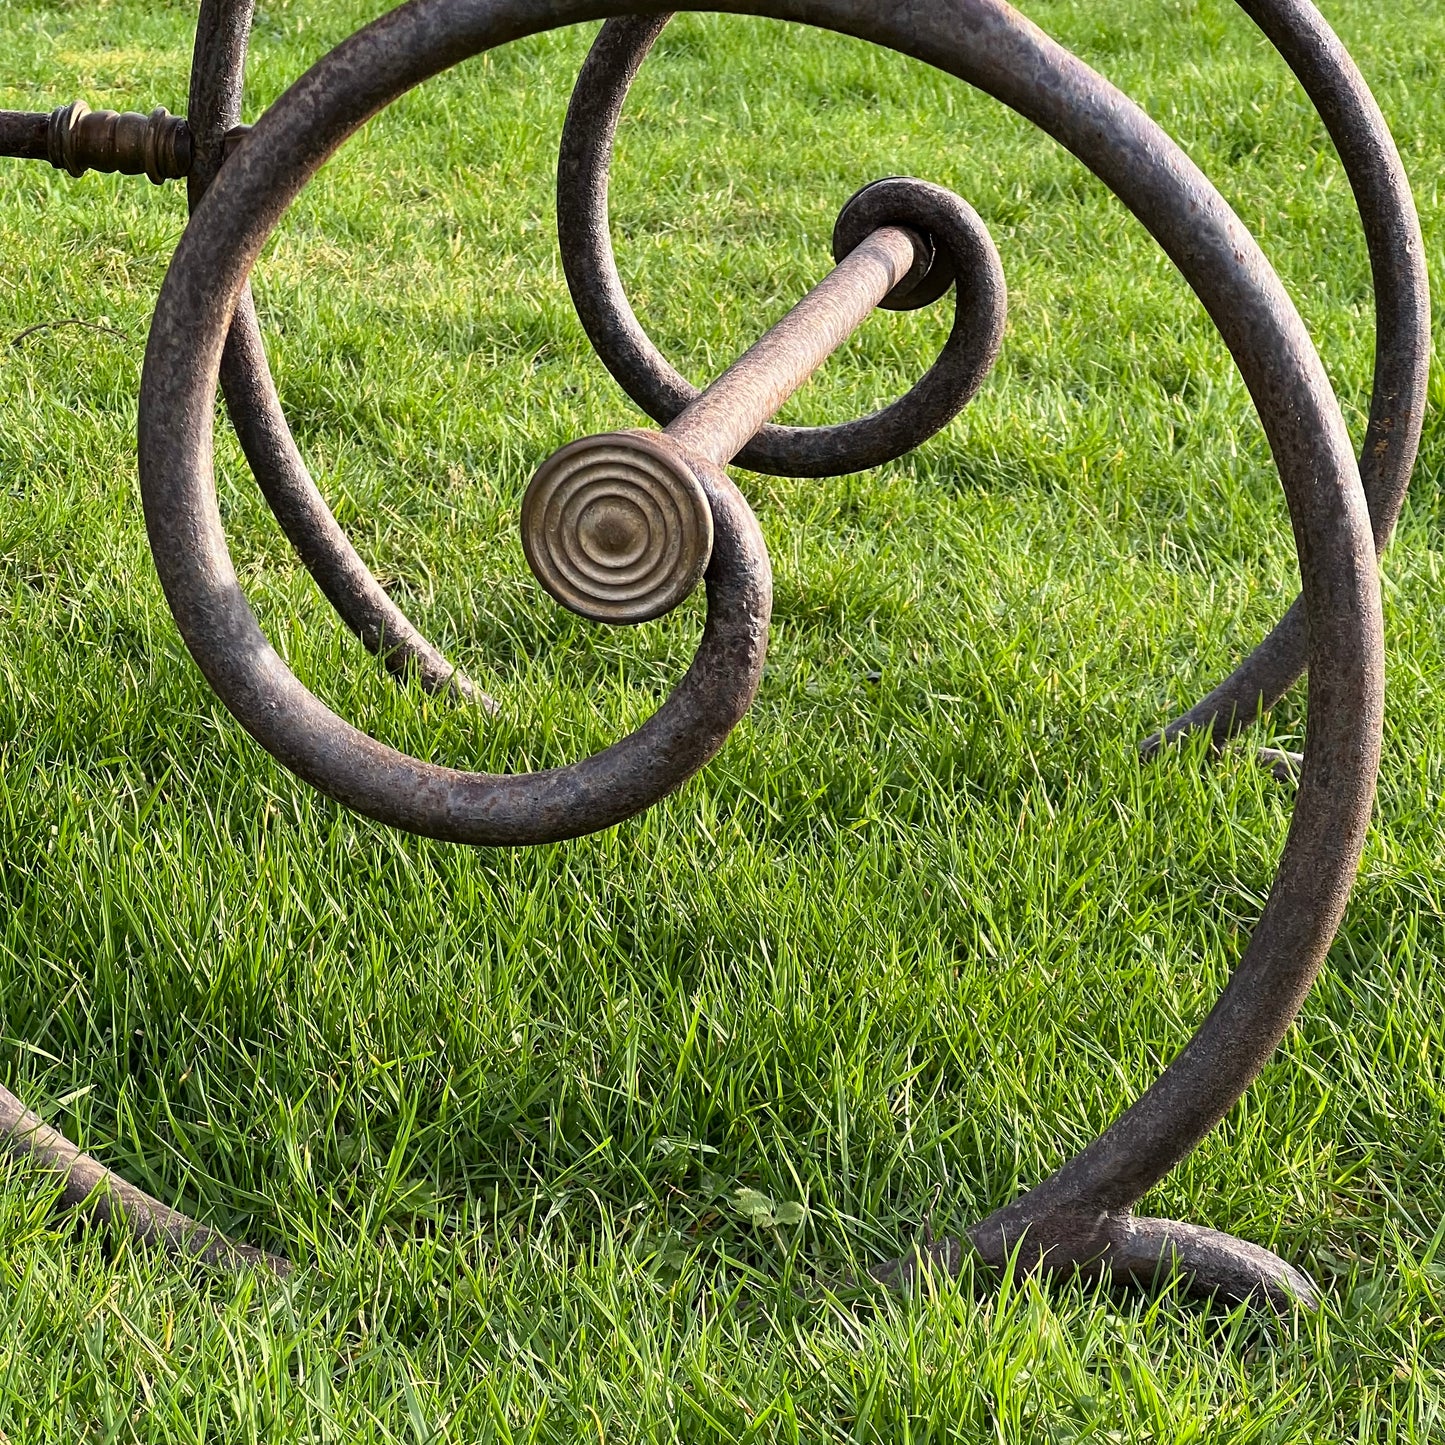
{"x": 25, "y": 135}
{"x": 728, "y": 414}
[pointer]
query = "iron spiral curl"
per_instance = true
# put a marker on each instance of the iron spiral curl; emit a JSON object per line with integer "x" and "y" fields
{"x": 1081, "y": 1217}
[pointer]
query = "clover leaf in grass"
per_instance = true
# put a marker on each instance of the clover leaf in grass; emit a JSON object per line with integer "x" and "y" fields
{"x": 762, "y": 1212}
{"x": 754, "y": 1206}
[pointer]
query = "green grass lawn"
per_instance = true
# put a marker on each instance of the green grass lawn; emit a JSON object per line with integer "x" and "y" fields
{"x": 893, "y": 956}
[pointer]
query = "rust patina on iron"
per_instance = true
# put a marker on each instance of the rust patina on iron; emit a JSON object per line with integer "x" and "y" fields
{"x": 615, "y": 527}
{"x": 205, "y": 335}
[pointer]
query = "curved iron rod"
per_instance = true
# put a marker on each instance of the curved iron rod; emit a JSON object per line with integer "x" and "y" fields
{"x": 217, "y": 84}
{"x": 1080, "y": 1215}
{"x": 205, "y": 334}
{"x": 90, "y": 1188}
{"x": 1334, "y": 85}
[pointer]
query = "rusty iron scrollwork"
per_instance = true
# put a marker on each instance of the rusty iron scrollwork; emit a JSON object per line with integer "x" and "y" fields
{"x": 623, "y": 526}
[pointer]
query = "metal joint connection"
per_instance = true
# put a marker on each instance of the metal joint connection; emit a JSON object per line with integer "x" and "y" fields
{"x": 157, "y": 145}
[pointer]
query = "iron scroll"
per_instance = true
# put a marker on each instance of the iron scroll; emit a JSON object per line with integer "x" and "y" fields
{"x": 626, "y": 525}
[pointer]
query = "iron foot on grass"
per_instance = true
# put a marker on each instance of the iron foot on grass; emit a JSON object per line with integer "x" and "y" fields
{"x": 1120, "y": 1249}
{"x": 620, "y": 528}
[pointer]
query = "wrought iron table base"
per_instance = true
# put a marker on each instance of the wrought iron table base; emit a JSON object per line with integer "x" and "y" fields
{"x": 622, "y": 527}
